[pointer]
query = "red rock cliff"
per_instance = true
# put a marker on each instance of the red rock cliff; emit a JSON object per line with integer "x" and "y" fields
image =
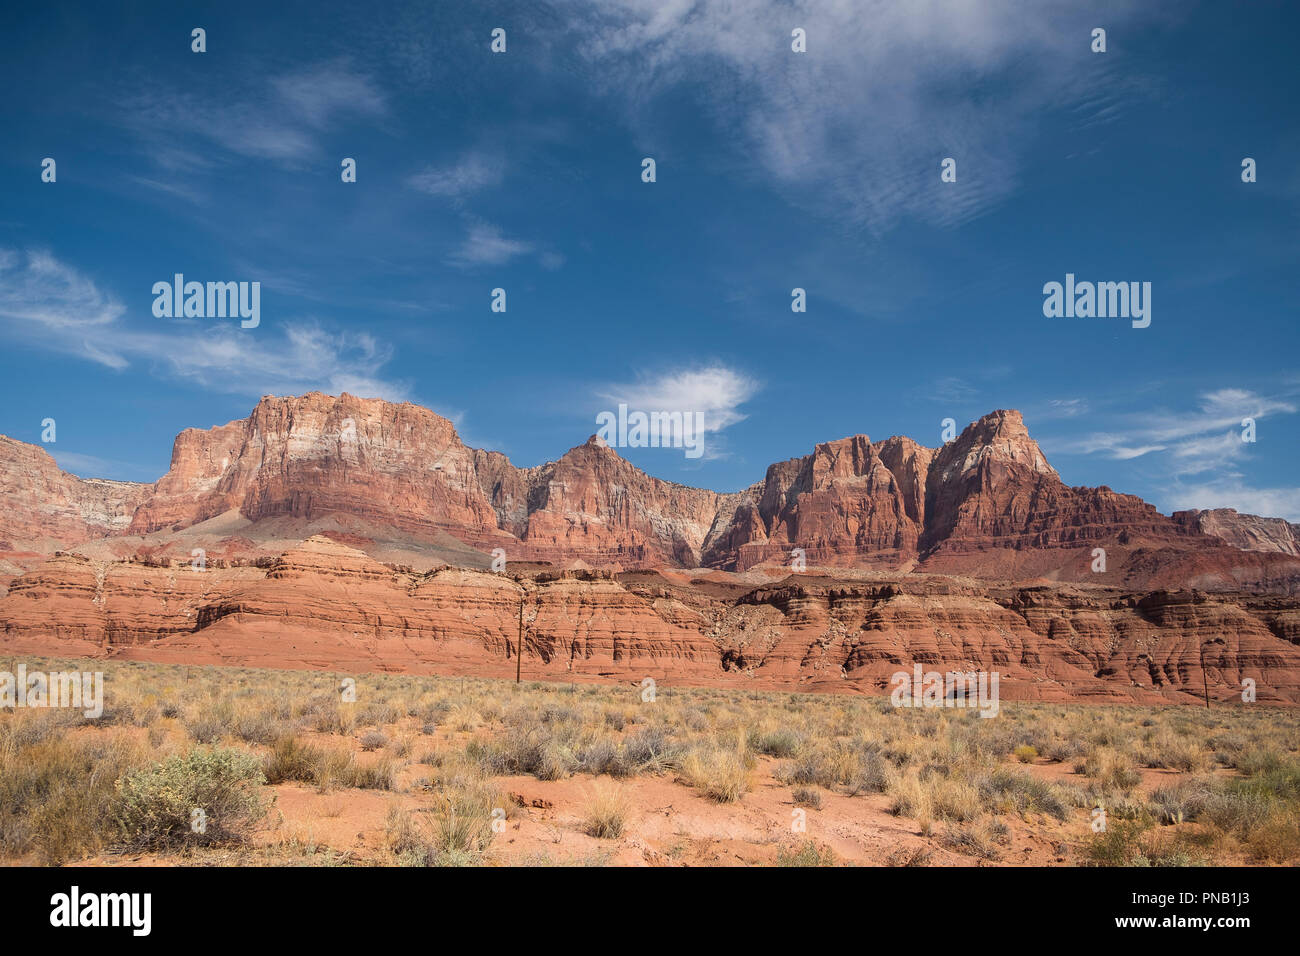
{"x": 985, "y": 504}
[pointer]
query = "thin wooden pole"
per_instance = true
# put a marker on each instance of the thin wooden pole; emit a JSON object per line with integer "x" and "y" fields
{"x": 519, "y": 647}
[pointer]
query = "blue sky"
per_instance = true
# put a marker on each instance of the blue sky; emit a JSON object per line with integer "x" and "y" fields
{"x": 775, "y": 170}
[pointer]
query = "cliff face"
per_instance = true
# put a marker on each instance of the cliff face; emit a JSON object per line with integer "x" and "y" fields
{"x": 996, "y": 508}
{"x": 398, "y": 465}
{"x": 360, "y": 614}
{"x": 43, "y": 507}
{"x": 881, "y": 526}
{"x": 986, "y": 504}
{"x": 815, "y": 632}
{"x": 850, "y": 502}
{"x": 594, "y": 504}
{"x": 405, "y": 468}
{"x": 1247, "y": 532}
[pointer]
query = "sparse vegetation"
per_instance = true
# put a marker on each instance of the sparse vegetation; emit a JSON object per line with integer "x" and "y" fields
{"x": 721, "y": 773}
{"x": 607, "y": 813}
{"x": 204, "y": 796}
{"x": 806, "y": 854}
{"x": 981, "y": 839}
{"x": 1178, "y": 786}
{"x": 455, "y": 833}
{"x": 807, "y": 797}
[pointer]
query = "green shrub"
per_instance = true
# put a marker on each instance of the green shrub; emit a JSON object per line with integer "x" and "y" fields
{"x": 777, "y": 743}
{"x": 1119, "y": 845}
{"x": 806, "y": 854}
{"x": 155, "y": 805}
{"x": 1006, "y": 789}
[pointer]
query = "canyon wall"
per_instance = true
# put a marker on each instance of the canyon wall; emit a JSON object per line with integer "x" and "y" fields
{"x": 327, "y": 606}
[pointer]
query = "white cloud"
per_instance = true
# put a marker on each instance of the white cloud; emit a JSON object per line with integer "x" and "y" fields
{"x": 1128, "y": 452}
{"x": 315, "y": 96}
{"x": 1196, "y": 441}
{"x": 48, "y": 304}
{"x": 37, "y": 288}
{"x": 1217, "y": 411}
{"x": 1065, "y": 408}
{"x": 1115, "y": 445}
{"x": 304, "y": 358}
{"x": 857, "y": 126}
{"x": 474, "y": 171}
{"x": 485, "y": 245}
{"x": 716, "y": 391}
{"x": 1207, "y": 450}
{"x": 278, "y": 121}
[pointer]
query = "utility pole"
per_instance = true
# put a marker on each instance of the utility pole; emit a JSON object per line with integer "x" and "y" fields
{"x": 519, "y": 647}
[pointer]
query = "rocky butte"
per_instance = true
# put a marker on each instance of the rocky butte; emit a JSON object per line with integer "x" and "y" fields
{"x": 349, "y": 533}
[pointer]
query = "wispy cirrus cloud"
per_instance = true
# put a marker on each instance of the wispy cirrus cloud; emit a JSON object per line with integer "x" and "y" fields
{"x": 1200, "y": 440}
{"x": 39, "y": 290}
{"x": 473, "y": 172}
{"x": 47, "y": 304}
{"x": 279, "y": 119}
{"x": 912, "y": 82}
{"x": 486, "y": 245}
{"x": 1065, "y": 408}
{"x": 317, "y": 95}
